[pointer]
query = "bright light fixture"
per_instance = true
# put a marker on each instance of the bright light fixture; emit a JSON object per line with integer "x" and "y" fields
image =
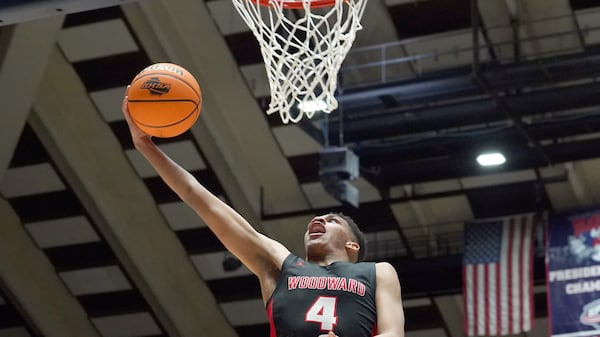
{"x": 312, "y": 106}
{"x": 491, "y": 159}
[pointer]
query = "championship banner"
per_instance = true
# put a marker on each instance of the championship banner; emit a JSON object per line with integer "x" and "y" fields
{"x": 573, "y": 265}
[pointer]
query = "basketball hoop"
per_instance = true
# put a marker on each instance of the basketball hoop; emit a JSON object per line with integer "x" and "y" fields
{"x": 297, "y": 4}
{"x": 303, "y": 44}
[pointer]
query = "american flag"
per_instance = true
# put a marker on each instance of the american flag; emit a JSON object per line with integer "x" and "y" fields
{"x": 498, "y": 276}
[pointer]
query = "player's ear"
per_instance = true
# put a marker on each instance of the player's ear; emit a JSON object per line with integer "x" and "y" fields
{"x": 353, "y": 245}
{"x": 353, "y": 248}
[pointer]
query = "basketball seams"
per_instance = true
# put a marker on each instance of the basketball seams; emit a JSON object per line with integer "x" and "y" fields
{"x": 163, "y": 101}
{"x": 185, "y": 81}
{"x": 172, "y": 124}
{"x": 196, "y": 108}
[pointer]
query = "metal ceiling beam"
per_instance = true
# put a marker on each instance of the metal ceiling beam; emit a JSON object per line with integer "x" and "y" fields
{"x": 38, "y": 292}
{"x": 513, "y": 8}
{"x": 399, "y": 171}
{"x": 11, "y": 318}
{"x": 16, "y": 11}
{"x": 397, "y": 122}
{"x": 25, "y": 49}
{"x": 457, "y": 83}
{"x": 502, "y": 137}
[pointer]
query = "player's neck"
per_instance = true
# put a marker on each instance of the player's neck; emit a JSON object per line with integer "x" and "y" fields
{"x": 327, "y": 259}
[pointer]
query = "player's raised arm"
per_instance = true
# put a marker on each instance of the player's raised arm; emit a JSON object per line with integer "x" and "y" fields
{"x": 388, "y": 300}
{"x": 258, "y": 252}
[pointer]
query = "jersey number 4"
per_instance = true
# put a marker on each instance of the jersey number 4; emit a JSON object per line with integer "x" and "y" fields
{"x": 323, "y": 312}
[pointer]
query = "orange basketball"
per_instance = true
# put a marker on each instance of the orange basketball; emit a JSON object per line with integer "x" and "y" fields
{"x": 164, "y": 100}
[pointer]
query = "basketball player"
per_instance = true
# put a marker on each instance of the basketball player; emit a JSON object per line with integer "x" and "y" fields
{"x": 327, "y": 294}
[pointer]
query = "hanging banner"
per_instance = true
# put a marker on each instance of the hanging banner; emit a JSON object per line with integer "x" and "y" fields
{"x": 573, "y": 264}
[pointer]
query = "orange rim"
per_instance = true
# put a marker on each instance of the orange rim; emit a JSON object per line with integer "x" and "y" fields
{"x": 297, "y": 4}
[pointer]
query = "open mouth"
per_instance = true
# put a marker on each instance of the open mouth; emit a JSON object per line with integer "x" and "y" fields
{"x": 316, "y": 229}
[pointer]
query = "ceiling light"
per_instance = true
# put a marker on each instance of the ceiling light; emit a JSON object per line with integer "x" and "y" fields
{"x": 491, "y": 159}
{"x": 312, "y": 106}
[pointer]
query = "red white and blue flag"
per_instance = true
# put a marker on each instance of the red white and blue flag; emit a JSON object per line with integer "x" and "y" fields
{"x": 498, "y": 276}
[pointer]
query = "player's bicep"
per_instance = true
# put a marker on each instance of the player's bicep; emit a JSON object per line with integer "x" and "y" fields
{"x": 275, "y": 252}
{"x": 388, "y": 297}
{"x": 262, "y": 255}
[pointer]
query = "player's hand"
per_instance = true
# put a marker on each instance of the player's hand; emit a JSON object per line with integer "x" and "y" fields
{"x": 136, "y": 132}
{"x": 330, "y": 334}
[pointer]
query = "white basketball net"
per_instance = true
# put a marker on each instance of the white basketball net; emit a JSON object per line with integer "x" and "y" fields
{"x": 303, "y": 51}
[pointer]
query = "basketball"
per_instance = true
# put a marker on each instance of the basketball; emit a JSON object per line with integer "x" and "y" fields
{"x": 164, "y": 100}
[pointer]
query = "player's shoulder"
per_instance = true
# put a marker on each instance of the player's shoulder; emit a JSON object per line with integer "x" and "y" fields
{"x": 384, "y": 265}
{"x": 386, "y": 276}
{"x": 385, "y": 269}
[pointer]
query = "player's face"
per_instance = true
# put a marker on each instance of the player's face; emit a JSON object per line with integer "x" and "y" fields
{"x": 328, "y": 229}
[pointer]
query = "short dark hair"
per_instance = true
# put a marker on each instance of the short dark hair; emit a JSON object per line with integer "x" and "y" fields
{"x": 359, "y": 236}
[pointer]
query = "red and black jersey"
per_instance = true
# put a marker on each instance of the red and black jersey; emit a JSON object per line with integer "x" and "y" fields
{"x": 310, "y": 300}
